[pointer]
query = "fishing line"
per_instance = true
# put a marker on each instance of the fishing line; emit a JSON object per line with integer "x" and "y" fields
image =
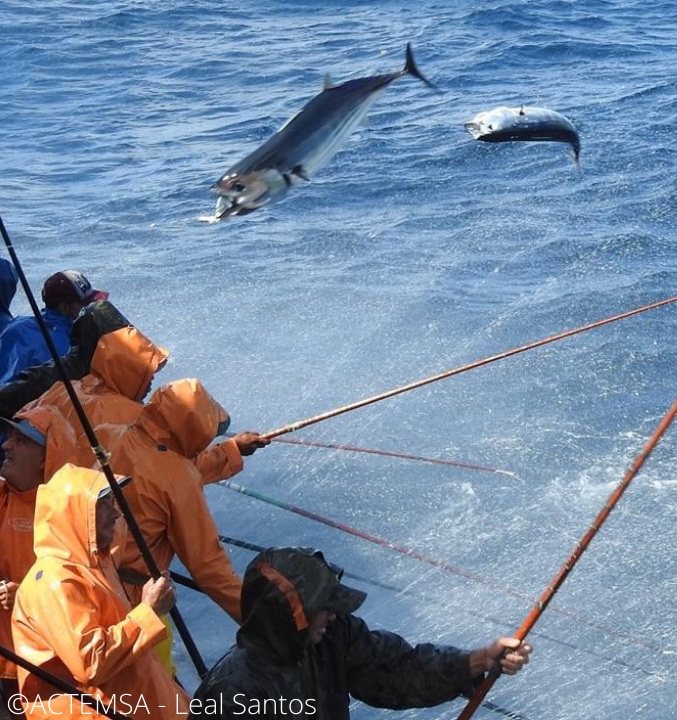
{"x": 292, "y": 427}
{"x": 393, "y": 453}
{"x": 440, "y": 564}
{"x": 102, "y": 457}
{"x": 569, "y": 564}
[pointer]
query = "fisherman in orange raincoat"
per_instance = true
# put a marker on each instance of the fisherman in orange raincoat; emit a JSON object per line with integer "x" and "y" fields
{"x": 72, "y": 618}
{"x": 167, "y": 498}
{"x": 39, "y": 442}
{"x": 120, "y": 373}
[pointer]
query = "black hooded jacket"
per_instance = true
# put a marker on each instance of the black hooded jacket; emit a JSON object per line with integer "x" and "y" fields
{"x": 275, "y": 672}
{"x": 94, "y": 321}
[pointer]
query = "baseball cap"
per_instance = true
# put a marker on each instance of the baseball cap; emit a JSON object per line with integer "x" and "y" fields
{"x": 107, "y": 490}
{"x": 70, "y": 286}
{"x": 26, "y": 429}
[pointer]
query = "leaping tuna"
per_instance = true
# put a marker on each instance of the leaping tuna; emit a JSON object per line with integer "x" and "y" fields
{"x": 303, "y": 144}
{"x": 504, "y": 124}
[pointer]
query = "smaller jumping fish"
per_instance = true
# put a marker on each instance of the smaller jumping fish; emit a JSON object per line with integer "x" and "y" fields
{"x": 504, "y": 124}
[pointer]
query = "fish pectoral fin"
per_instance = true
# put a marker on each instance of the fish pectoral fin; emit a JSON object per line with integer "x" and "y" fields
{"x": 300, "y": 172}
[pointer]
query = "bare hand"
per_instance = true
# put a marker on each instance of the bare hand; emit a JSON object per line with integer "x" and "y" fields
{"x": 249, "y": 442}
{"x": 505, "y": 655}
{"x": 159, "y": 594}
{"x": 7, "y": 593}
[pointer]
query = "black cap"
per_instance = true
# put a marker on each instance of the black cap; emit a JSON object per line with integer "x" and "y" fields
{"x": 108, "y": 490}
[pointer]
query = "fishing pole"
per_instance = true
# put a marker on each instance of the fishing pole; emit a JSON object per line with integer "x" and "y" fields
{"x": 434, "y": 562}
{"x": 569, "y": 564}
{"x": 292, "y": 427}
{"x": 392, "y": 453}
{"x": 60, "y": 684}
{"x": 103, "y": 457}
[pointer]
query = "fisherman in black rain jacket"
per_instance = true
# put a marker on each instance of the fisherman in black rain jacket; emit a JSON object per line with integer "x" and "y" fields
{"x": 300, "y": 651}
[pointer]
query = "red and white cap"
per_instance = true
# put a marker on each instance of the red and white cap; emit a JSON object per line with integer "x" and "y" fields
{"x": 70, "y": 286}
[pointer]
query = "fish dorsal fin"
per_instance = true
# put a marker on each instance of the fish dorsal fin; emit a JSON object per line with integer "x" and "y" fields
{"x": 521, "y": 112}
{"x": 328, "y": 82}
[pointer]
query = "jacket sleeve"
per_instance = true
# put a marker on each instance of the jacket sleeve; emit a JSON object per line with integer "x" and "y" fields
{"x": 195, "y": 538}
{"x": 383, "y": 670}
{"x": 16, "y": 352}
{"x": 219, "y": 462}
{"x": 94, "y": 653}
{"x": 36, "y": 380}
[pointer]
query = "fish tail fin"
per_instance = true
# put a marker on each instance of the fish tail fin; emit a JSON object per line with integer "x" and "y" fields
{"x": 576, "y": 156}
{"x": 411, "y": 68}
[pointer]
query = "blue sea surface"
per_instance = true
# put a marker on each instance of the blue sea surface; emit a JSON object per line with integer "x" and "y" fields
{"x": 416, "y": 250}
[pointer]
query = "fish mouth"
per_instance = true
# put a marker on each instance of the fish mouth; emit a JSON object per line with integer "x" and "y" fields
{"x": 475, "y": 129}
{"x": 227, "y": 206}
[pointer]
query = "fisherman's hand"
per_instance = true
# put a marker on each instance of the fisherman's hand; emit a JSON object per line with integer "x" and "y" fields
{"x": 249, "y": 442}
{"x": 159, "y": 594}
{"x": 7, "y": 593}
{"x": 505, "y": 655}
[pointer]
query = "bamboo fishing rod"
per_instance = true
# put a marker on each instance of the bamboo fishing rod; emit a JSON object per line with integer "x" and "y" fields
{"x": 393, "y": 453}
{"x": 102, "y": 457}
{"x": 569, "y": 564}
{"x": 292, "y": 427}
{"x": 416, "y": 555}
{"x": 93, "y": 702}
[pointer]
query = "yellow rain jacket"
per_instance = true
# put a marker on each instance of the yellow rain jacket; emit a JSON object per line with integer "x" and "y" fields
{"x": 121, "y": 373}
{"x": 18, "y": 508}
{"x": 72, "y": 618}
{"x": 166, "y": 496}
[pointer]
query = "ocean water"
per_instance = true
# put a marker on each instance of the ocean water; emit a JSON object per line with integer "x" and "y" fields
{"x": 416, "y": 250}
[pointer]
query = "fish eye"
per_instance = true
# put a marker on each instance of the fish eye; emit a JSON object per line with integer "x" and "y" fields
{"x": 238, "y": 186}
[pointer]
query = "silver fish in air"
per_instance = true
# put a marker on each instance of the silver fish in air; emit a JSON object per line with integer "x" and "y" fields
{"x": 303, "y": 144}
{"x": 503, "y": 124}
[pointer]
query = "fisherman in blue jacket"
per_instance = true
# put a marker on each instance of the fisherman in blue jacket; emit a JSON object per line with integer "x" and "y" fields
{"x": 8, "y": 281}
{"x": 21, "y": 342}
{"x": 301, "y": 651}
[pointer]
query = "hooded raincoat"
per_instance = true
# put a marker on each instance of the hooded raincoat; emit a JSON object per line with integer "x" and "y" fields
{"x": 72, "y": 617}
{"x": 18, "y": 508}
{"x": 275, "y": 672}
{"x": 121, "y": 371}
{"x": 8, "y": 282}
{"x": 166, "y": 496}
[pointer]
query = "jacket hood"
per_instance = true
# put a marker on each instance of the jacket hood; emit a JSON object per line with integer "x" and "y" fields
{"x": 182, "y": 416}
{"x": 93, "y": 321}
{"x": 65, "y": 515}
{"x": 126, "y": 360}
{"x": 8, "y": 283}
{"x": 283, "y": 590}
{"x": 61, "y": 445}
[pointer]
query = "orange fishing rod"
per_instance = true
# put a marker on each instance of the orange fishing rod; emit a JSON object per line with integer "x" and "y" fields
{"x": 562, "y": 574}
{"x": 393, "y": 453}
{"x": 292, "y": 427}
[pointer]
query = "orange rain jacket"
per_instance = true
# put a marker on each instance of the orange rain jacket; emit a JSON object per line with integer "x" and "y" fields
{"x": 72, "y": 618}
{"x": 166, "y": 496}
{"x": 18, "y": 508}
{"x": 121, "y": 372}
